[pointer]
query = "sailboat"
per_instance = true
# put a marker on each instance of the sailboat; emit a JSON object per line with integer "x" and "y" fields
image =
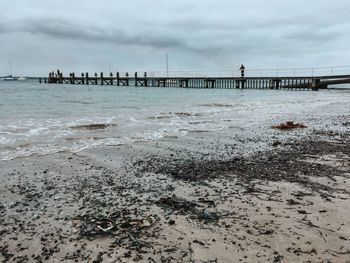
{"x": 10, "y": 77}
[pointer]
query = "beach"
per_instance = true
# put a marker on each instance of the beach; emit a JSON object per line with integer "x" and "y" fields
{"x": 178, "y": 178}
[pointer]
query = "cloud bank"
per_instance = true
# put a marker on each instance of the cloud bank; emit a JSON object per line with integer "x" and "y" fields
{"x": 37, "y": 36}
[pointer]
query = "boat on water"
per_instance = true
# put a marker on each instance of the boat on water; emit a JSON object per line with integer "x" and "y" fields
{"x": 10, "y": 78}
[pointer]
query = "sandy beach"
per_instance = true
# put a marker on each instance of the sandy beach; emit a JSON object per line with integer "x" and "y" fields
{"x": 164, "y": 201}
{"x": 179, "y": 131}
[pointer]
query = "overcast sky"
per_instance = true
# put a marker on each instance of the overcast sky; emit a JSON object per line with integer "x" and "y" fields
{"x": 134, "y": 35}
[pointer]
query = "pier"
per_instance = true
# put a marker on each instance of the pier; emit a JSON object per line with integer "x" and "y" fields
{"x": 208, "y": 80}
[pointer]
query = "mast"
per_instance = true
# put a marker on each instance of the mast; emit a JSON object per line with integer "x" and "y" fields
{"x": 10, "y": 67}
{"x": 167, "y": 64}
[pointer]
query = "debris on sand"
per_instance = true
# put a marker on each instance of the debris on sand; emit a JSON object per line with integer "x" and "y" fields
{"x": 276, "y": 143}
{"x": 208, "y": 215}
{"x": 189, "y": 208}
{"x": 292, "y": 202}
{"x": 176, "y": 204}
{"x": 95, "y": 225}
{"x": 289, "y": 125}
{"x": 121, "y": 224}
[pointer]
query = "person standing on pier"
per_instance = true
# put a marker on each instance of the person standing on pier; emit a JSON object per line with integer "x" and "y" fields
{"x": 242, "y": 68}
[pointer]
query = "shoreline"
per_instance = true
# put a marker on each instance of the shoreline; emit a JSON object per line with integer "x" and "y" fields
{"x": 75, "y": 125}
{"x": 154, "y": 203}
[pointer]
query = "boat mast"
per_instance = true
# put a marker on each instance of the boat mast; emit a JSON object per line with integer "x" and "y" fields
{"x": 167, "y": 64}
{"x": 10, "y": 68}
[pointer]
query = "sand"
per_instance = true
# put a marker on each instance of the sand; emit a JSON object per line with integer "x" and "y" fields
{"x": 164, "y": 201}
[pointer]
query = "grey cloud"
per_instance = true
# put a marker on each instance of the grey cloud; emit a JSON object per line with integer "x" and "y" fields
{"x": 62, "y": 29}
{"x": 314, "y": 35}
{"x": 196, "y": 33}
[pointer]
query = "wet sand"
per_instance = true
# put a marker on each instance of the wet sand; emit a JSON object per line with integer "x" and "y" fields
{"x": 276, "y": 198}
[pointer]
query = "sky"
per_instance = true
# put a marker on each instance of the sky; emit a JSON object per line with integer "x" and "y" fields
{"x": 37, "y": 36}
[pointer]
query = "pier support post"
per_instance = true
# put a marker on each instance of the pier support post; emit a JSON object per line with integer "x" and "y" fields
{"x": 87, "y": 78}
{"x": 101, "y": 76}
{"x": 118, "y": 79}
{"x": 82, "y": 79}
{"x": 111, "y": 80}
{"x": 212, "y": 83}
{"x": 277, "y": 85}
{"x": 146, "y": 80}
{"x": 315, "y": 84}
{"x": 184, "y": 83}
{"x": 135, "y": 79}
{"x": 127, "y": 78}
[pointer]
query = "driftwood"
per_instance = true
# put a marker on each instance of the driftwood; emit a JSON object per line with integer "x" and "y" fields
{"x": 288, "y": 126}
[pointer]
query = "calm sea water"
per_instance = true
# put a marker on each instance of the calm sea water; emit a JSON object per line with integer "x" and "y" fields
{"x": 43, "y": 119}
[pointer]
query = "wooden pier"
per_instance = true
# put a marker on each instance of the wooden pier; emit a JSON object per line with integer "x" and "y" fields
{"x": 242, "y": 82}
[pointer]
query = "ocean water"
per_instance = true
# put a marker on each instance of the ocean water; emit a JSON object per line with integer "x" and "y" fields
{"x": 37, "y": 119}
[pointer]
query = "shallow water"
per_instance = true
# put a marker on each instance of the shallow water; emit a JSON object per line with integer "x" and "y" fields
{"x": 42, "y": 119}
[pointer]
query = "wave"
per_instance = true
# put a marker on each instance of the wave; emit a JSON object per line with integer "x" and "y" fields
{"x": 93, "y": 126}
{"x": 78, "y": 102}
{"x": 160, "y": 117}
{"x": 194, "y": 131}
{"x": 217, "y": 104}
{"x": 76, "y": 145}
{"x": 4, "y": 140}
{"x": 188, "y": 114}
{"x": 177, "y": 114}
{"x": 200, "y": 122}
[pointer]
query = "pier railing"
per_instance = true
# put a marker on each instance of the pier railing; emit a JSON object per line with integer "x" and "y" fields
{"x": 271, "y": 72}
{"x": 295, "y": 78}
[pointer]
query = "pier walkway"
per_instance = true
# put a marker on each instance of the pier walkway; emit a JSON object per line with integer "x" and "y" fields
{"x": 211, "y": 79}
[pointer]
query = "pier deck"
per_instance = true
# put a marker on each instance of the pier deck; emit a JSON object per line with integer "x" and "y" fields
{"x": 295, "y": 82}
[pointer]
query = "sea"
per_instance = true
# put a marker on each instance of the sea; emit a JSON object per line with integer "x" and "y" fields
{"x": 41, "y": 119}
